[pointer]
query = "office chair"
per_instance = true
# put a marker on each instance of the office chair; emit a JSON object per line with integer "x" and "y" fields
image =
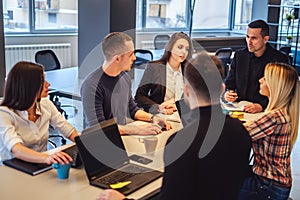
{"x": 48, "y": 59}
{"x": 50, "y": 62}
{"x": 52, "y": 143}
{"x": 143, "y": 56}
{"x": 55, "y": 139}
{"x": 160, "y": 41}
{"x": 224, "y": 54}
{"x": 287, "y": 50}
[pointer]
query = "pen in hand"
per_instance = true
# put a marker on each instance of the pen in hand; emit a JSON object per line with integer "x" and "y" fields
{"x": 231, "y": 96}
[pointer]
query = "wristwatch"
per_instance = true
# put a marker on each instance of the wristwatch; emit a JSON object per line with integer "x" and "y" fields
{"x": 151, "y": 118}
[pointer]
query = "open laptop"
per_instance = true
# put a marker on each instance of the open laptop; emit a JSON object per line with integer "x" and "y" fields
{"x": 106, "y": 162}
{"x": 184, "y": 112}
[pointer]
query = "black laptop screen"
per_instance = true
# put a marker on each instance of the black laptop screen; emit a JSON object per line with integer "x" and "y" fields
{"x": 101, "y": 148}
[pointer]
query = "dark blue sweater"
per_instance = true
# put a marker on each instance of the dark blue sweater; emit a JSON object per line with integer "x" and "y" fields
{"x": 105, "y": 97}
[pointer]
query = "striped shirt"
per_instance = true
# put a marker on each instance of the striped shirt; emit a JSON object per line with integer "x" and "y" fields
{"x": 271, "y": 146}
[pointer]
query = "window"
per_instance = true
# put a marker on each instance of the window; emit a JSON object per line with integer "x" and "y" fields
{"x": 175, "y": 14}
{"x": 161, "y": 14}
{"x": 243, "y": 14}
{"x": 45, "y": 15}
{"x": 208, "y": 15}
{"x": 289, "y": 18}
{"x": 213, "y": 14}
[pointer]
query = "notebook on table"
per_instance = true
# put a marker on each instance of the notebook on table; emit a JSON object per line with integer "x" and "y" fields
{"x": 37, "y": 168}
{"x": 106, "y": 162}
{"x": 27, "y": 167}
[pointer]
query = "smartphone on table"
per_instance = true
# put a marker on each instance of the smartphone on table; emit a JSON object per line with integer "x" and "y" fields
{"x": 140, "y": 159}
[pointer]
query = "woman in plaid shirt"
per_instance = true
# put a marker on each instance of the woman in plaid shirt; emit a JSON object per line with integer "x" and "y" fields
{"x": 273, "y": 135}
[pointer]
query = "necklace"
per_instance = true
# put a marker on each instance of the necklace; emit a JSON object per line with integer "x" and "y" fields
{"x": 33, "y": 116}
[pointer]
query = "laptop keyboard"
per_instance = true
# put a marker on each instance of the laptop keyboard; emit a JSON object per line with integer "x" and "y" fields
{"x": 118, "y": 176}
{"x": 74, "y": 153}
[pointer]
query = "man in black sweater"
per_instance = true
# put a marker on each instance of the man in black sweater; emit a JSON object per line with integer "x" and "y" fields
{"x": 248, "y": 67}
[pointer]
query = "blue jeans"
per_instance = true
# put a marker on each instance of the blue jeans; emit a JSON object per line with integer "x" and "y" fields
{"x": 256, "y": 189}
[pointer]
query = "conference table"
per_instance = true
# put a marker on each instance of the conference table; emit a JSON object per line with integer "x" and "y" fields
{"x": 15, "y": 184}
{"x": 18, "y": 185}
{"x": 64, "y": 83}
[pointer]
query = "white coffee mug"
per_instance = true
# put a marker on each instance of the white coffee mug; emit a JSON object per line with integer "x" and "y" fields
{"x": 150, "y": 144}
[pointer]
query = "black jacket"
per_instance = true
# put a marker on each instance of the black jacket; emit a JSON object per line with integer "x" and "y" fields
{"x": 152, "y": 88}
{"x": 214, "y": 171}
{"x": 245, "y": 71}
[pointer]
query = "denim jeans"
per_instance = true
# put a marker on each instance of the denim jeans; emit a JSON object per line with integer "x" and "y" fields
{"x": 257, "y": 189}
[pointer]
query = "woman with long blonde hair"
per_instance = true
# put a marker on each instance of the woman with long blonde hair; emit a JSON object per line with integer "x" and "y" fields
{"x": 273, "y": 135}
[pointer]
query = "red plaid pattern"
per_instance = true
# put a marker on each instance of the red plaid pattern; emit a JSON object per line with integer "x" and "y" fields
{"x": 271, "y": 146}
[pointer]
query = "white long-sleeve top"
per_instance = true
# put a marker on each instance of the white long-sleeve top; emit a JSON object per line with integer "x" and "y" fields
{"x": 16, "y": 128}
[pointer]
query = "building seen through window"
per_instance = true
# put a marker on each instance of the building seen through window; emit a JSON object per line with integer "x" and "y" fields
{"x": 243, "y": 14}
{"x": 40, "y": 16}
{"x": 208, "y": 15}
{"x": 47, "y": 15}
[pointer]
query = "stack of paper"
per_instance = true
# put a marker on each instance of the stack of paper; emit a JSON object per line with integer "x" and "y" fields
{"x": 234, "y": 106}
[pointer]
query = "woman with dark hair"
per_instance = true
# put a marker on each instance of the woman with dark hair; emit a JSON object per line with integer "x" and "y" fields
{"x": 162, "y": 82}
{"x": 25, "y": 117}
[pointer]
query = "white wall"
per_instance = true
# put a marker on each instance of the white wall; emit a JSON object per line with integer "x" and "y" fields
{"x": 46, "y": 39}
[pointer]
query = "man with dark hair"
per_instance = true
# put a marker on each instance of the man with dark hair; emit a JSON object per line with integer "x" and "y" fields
{"x": 208, "y": 158}
{"x": 106, "y": 92}
{"x": 248, "y": 67}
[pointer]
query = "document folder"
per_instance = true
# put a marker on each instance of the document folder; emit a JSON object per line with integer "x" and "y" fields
{"x": 27, "y": 167}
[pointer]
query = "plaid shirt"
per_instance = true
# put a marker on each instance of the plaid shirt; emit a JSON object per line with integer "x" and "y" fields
{"x": 271, "y": 146}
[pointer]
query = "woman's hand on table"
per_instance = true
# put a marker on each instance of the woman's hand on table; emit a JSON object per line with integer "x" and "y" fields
{"x": 59, "y": 157}
{"x": 167, "y": 108}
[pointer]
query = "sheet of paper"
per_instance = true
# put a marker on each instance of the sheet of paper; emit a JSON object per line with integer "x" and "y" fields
{"x": 234, "y": 106}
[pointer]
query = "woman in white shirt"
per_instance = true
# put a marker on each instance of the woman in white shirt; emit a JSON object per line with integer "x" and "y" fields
{"x": 162, "y": 82}
{"x": 26, "y": 116}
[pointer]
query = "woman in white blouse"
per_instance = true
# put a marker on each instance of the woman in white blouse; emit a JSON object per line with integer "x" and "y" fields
{"x": 26, "y": 116}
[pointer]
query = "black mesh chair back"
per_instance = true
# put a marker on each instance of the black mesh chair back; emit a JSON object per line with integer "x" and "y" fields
{"x": 50, "y": 62}
{"x": 160, "y": 41}
{"x": 48, "y": 59}
{"x": 55, "y": 139}
{"x": 143, "y": 56}
{"x": 224, "y": 54}
{"x": 287, "y": 50}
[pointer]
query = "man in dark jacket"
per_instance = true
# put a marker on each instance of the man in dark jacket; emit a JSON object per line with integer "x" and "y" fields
{"x": 208, "y": 158}
{"x": 248, "y": 67}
